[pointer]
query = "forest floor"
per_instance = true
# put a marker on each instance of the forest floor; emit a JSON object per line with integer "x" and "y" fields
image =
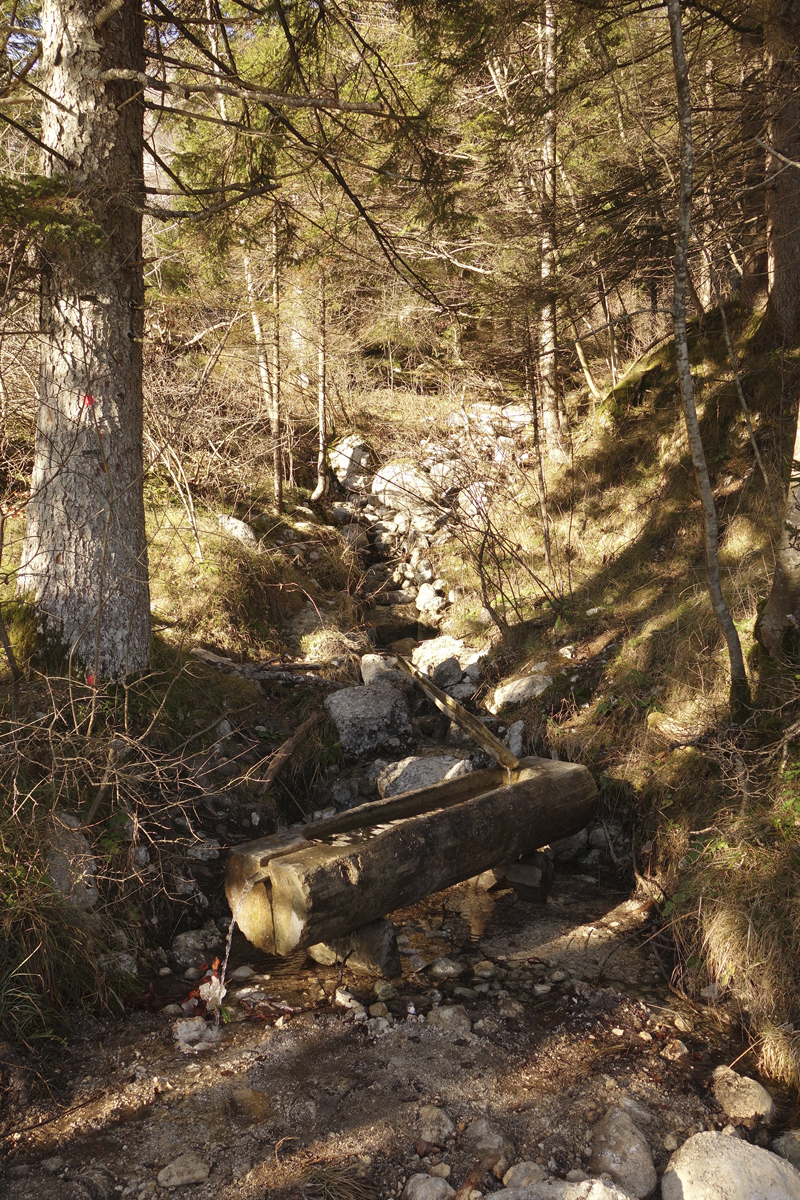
{"x": 330, "y": 1105}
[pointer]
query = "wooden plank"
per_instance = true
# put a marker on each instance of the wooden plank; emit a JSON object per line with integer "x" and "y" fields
{"x": 464, "y": 719}
{"x": 320, "y": 891}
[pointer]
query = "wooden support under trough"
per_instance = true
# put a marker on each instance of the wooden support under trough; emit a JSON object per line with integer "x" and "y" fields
{"x": 314, "y": 883}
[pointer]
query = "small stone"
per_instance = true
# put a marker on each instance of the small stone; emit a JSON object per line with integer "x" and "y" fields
{"x": 741, "y": 1098}
{"x": 172, "y": 1010}
{"x": 485, "y": 970}
{"x": 711, "y": 992}
{"x": 188, "y": 1168}
{"x": 576, "y": 1175}
{"x": 385, "y": 990}
{"x": 347, "y": 1000}
{"x": 164, "y": 971}
{"x": 541, "y": 989}
{"x": 523, "y": 1174}
{"x": 191, "y": 975}
{"x": 510, "y": 1010}
{"x": 682, "y": 1025}
{"x": 675, "y": 1050}
{"x": 427, "y": 1187}
{"x": 517, "y": 691}
{"x": 445, "y": 968}
{"x": 53, "y": 1165}
{"x": 241, "y": 974}
{"x": 620, "y": 1150}
{"x": 710, "y": 1166}
{"x": 485, "y": 1137}
{"x": 440, "y": 1171}
{"x": 451, "y": 1019}
{"x": 435, "y": 1126}
{"x": 447, "y": 673}
{"x": 670, "y": 1142}
{"x": 466, "y": 992}
{"x": 378, "y": 1009}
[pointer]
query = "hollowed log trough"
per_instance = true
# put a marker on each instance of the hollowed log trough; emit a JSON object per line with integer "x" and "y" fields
{"x": 314, "y": 883}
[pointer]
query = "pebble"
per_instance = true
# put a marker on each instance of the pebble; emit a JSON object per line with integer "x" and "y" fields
{"x": 378, "y": 1009}
{"x": 510, "y": 1009}
{"x": 541, "y": 989}
{"x": 446, "y": 968}
{"x": 467, "y": 993}
{"x": 440, "y": 1171}
{"x": 53, "y": 1165}
{"x": 675, "y": 1050}
{"x": 188, "y": 1168}
{"x": 241, "y": 974}
{"x": 485, "y": 970}
{"x": 427, "y": 1187}
{"x": 483, "y": 1136}
{"x": 523, "y": 1174}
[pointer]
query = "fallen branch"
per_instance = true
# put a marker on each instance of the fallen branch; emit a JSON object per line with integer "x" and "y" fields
{"x": 258, "y": 672}
{"x": 285, "y": 752}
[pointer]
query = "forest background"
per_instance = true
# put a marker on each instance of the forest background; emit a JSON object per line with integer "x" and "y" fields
{"x": 231, "y": 235}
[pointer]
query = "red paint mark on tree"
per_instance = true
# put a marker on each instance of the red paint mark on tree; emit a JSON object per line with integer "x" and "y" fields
{"x": 90, "y": 680}
{"x": 88, "y": 401}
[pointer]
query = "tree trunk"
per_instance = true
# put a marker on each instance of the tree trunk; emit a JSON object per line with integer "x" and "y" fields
{"x": 322, "y": 406}
{"x": 740, "y": 691}
{"x": 275, "y": 413}
{"x": 753, "y": 248}
{"x": 547, "y": 316}
{"x": 779, "y": 626}
{"x": 783, "y": 191}
{"x": 84, "y": 560}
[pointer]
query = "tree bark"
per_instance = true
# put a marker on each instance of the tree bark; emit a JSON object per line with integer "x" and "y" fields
{"x": 783, "y": 191}
{"x": 322, "y": 406}
{"x": 740, "y": 690}
{"x": 548, "y": 333}
{"x": 779, "y": 625}
{"x": 84, "y": 560}
{"x": 753, "y": 248}
{"x": 275, "y": 413}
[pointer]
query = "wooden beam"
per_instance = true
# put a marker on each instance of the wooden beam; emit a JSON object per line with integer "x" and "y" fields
{"x": 465, "y": 720}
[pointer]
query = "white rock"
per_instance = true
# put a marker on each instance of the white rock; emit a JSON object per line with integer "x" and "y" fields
{"x": 428, "y": 599}
{"x": 519, "y": 690}
{"x": 427, "y": 1187}
{"x": 383, "y": 668}
{"x": 557, "y": 1189}
{"x": 435, "y": 1125}
{"x": 675, "y": 1050}
{"x": 240, "y": 531}
{"x": 451, "y": 1018}
{"x": 523, "y": 1174}
{"x": 711, "y": 1166}
{"x": 515, "y": 738}
{"x": 742, "y": 1098}
{"x": 241, "y": 974}
{"x": 197, "y": 945}
{"x": 404, "y": 488}
{"x": 417, "y": 772}
{"x": 350, "y": 461}
{"x": 189, "y": 1030}
{"x": 620, "y": 1149}
{"x": 446, "y": 968}
{"x": 186, "y": 1169}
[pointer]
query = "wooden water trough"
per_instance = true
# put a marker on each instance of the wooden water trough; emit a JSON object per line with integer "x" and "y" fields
{"x": 315, "y": 883}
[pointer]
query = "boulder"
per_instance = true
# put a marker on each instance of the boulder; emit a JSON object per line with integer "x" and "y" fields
{"x": 403, "y": 487}
{"x": 370, "y": 719}
{"x": 620, "y": 1149}
{"x": 70, "y": 861}
{"x": 523, "y": 1174}
{"x": 447, "y": 673}
{"x": 711, "y": 1166}
{"x": 379, "y": 668}
{"x": 350, "y": 460}
{"x": 410, "y": 774}
{"x": 429, "y": 600}
{"x": 741, "y": 1098}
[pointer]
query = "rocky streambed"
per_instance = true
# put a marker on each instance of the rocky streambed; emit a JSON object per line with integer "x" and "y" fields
{"x": 527, "y": 1050}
